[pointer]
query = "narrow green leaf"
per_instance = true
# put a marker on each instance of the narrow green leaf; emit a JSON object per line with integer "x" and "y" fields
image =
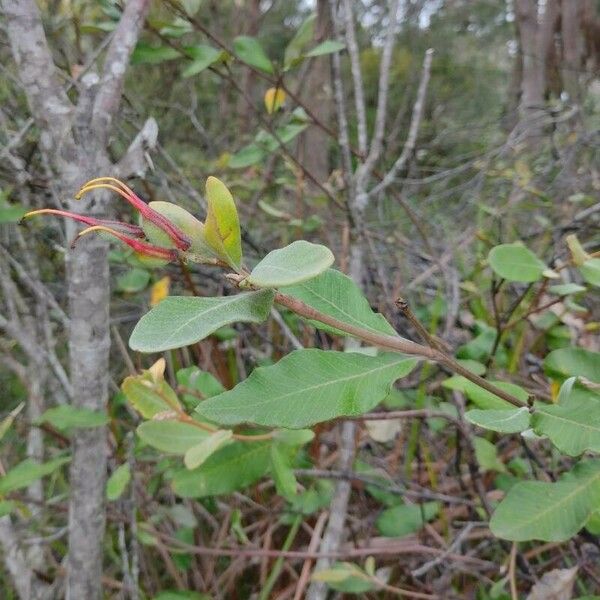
{"x": 303, "y": 36}
{"x": 565, "y": 289}
{"x": 135, "y": 280}
{"x": 196, "y": 455}
{"x": 247, "y": 156}
{"x": 405, "y": 519}
{"x": 298, "y": 262}
{"x": 482, "y": 398}
{"x": 283, "y": 474}
{"x": 249, "y": 50}
{"x": 117, "y": 482}
{"x": 28, "y": 471}
{"x": 486, "y": 455}
{"x": 346, "y": 577}
{"x": 66, "y": 416}
{"x": 173, "y": 437}
{"x": 336, "y": 295}
{"x": 326, "y": 47}
{"x": 202, "y": 56}
{"x": 307, "y": 387}
{"x": 222, "y": 226}
{"x": 229, "y": 469}
{"x": 181, "y": 320}
{"x": 510, "y": 420}
{"x": 152, "y": 55}
{"x": 550, "y": 512}
{"x": 515, "y": 262}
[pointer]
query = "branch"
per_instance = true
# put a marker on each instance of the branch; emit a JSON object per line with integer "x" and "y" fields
{"x": 115, "y": 65}
{"x": 359, "y": 89}
{"x": 136, "y": 160}
{"x": 48, "y": 102}
{"x": 382, "y": 96}
{"x": 415, "y": 123}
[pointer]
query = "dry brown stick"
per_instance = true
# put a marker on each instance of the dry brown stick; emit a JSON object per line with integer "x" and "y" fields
{"x": 315, "y": 540}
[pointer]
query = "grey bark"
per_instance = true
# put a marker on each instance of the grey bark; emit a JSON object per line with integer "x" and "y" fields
{"x": 73, "y": 142}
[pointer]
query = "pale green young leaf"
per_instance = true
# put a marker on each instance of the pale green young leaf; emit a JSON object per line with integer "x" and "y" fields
{"x": 149, "y": 397}
{"x": 281, "y": 469}
{"x": 134, "y": 280}
{"x": 293, "y": 264}
{"x": 293, "y": 437}
{"x": 487, "y": 456}
{"x": 66, "y": 416}
{"x": 249, "y": 50}
{"x": 590, "y": 271}
{"x": 196, "y": 455}
{"x": 405, "y": 519}
{"x": 326, "y": 47}
{"x": 222, "y": 226}
{"x": 508, "y": 420}
{"x": 231, "y": 468}
{"x": 117, "y": 482}
{"x": 515, "y": 262}
{"x": 28, "y": 471}
{"x": 307, "y": 387}
{"x": 336, "y": 295}
{"x": 550, "y": 512}
{"x": 482, "y": 398}
{"x": 173, "y": 437}
{"x": 346, "y": 577}
{"x": 573, "y": 362}
{"x": 181, "y": 320}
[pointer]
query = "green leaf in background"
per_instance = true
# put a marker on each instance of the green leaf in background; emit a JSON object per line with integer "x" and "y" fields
{"x": 229, "y": 469}
{"x": 515, "y": 262}
{"x": 10, "y": 213}
{"x": 293, "y": 437}
{"x": 292, "y": 264}
{"x": 249, "y": 50}
{"x": 196, "y": 455}
{"x": 222, "y": 225}
{"x": 28, "y": 471}
{"x": 482, "y": 398}
{"x": 173, "y": 437}
{"x": 509, "y": 420}
{"x": 152, "y": 55}
{"x": 487, "y": 456}
{"x": 7, "y": 422}
{"x": 326, "y": 47}
{"x": 181, "y": 320}
{"x": 66, "y": 416}
{"x": 117, "y": 482}
{"x": 307, "y": 387}
{"x": 180, "y": 595}
{"x": 135, "y": 280}
{"x": 247, "y": 156}
{"x": 202, "y": 383}
{"x": 405, "y": 519}
{"x": 6, "y": 507}
{"x": 565, "y": 289}
{"x": 590, "y": 271}
{"x": 573, "y": 362}
{"x": 283, "y": 474}
{"x": 346, "y": 577}
{"x": 336, "y": 295}
{"x": 202, "y": 56}
{"x": 550, "y": 512}
{"x": 303, "y": 37}
{"x": 149, "y": 397}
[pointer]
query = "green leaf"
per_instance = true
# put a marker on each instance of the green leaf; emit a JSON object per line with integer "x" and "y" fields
{"x": 10, "y": 213}
{"x": 298, "y": 262}
{"x": 28, "y": 471}
{"x": 66, "y": 416}
{"x": 6, "y": 507}
{"x": 509, "y": 420}
{"x": 308, "y": 386}
{"x": 336, "y": 295}
{"x": 173, "y": 437}
{"x": 405, "y": 519}
{"x": 293, "y": 437}
{"x": 303, "y": 36}
{"x": 203, "y": 383}
{"x": 135, "y": 280}
{"x": 482, "y": 398}
{"x": 283, "y": 474}
{"x": 196, "y": 455}
{"x": 229, "y": 469}
{"x": 117, "y": 482}
{"x": 515, "y": 262}
{"x": 222, "y": 226}
{"x": 180, "y": 595}
{"x": 565, "y": 289}
{"x": 249, "y": 50}
{"x": 550, "y": 512}
{"x": 202, "y": 56}
{"x": 149, "y": 397}
{"x": 486, "y": 455}
{"x": 152, "y": 55}
{"x": 346, "y": 577}
{"x": 573, "y": 362}
{"x": 326, "y": 47}
{"x": 247, "y": 156}
{"x": 181, "y": 320}
{"x": 590, "y": 271}
{"x": 573, "y": 424}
